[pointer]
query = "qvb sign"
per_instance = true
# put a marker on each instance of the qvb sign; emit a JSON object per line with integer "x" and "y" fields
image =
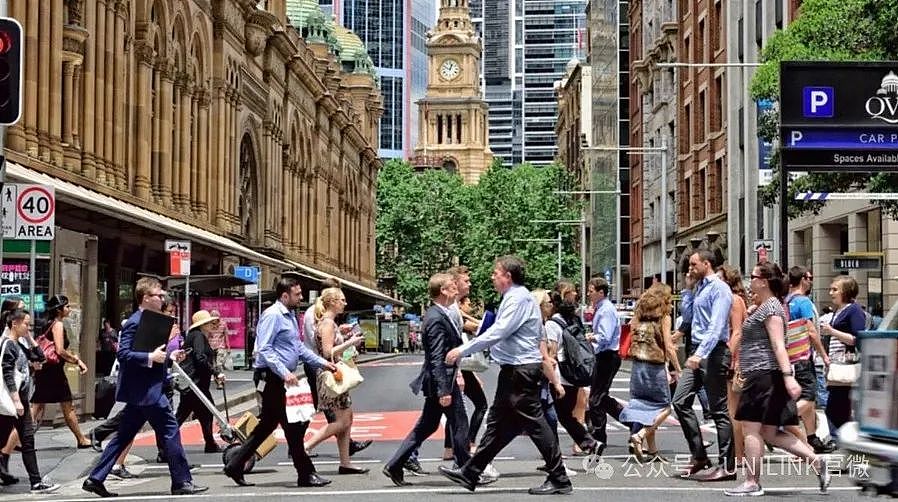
{"x": 839, "y": 116}
{"x": 29, "y": 212}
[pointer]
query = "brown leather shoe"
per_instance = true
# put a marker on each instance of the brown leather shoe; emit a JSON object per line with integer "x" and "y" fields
{"x": 694, "y": 467}
{"x": 716, "y": 474}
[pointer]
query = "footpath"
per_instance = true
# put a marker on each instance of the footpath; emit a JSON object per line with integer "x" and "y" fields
{"x": 61, "y": 462}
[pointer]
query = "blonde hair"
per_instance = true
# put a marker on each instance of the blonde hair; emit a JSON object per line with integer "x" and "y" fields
{"x": 327, "y": 298}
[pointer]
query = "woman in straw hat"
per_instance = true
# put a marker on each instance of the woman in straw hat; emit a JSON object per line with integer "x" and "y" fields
{"x": 200, "y": 367}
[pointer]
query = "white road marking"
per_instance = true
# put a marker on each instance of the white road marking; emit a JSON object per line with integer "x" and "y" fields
{"x": 454, "y": 490}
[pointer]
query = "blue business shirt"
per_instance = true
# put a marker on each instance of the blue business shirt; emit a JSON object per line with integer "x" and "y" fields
{"x": 686, "y": 300}
{"x": 515, "y": 335}
{"x": 277, "y": 342}
{"x": 710, "y": 315}
{"x": 605, "y": 327}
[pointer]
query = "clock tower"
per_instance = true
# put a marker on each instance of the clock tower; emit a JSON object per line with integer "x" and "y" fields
{"x": 452, "y": 115}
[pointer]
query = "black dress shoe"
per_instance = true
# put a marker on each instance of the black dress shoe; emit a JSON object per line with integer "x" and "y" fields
{"x": 313, "y": 481}
{"x": 85, "y": 446}
{"x": 95, "y": 443}
{"x": 189, "y": 488}
{"x": 97, "y": 488}
{"x": 550, "y": 488}
{"x": 456, "y": 476}
{"x": 397, "y": 477}
{"x": 357, "y": 446}
{"x": 351, "y": 470}
{"x": 238, "y": 478}
{"x": 212, "y": 448}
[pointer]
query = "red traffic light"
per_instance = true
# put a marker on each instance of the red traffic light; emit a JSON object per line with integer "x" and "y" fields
{"x": 6, "y": 42}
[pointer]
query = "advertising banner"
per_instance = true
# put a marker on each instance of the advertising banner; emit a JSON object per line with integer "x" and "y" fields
{"x": 233, "y": 314}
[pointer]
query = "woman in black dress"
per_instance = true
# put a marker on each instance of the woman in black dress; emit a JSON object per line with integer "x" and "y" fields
{"x": 50, "y": 383}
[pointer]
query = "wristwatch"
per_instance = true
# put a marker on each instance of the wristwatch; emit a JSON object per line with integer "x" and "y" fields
{"x": 788, "y": 373}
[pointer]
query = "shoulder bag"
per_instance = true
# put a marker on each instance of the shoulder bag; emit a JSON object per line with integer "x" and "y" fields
{"x": 48, "y": 346}
{"x": 476, "y": 362}
{"x": 844, "y": 373}
{"x": 7, "y": 407}
{"x": 349, "y": 378}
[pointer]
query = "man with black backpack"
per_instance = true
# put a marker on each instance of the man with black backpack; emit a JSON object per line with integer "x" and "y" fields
{"x": 575, "y": 360}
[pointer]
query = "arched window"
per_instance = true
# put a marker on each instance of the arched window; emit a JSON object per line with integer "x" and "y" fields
{"x": 450, "y": 166}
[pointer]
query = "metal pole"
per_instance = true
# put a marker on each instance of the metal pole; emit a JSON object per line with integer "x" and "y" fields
{"x": 784, "y": 218}
{"x": 186, "y": 302}
{"x": 559, "y": 255}
{"x": 31, "y": 265}
{"x": 583, "y": 258}
{"x": 4, "y": 11}
{"x": 664, "y": 211}
{"x": 619, "y": 289}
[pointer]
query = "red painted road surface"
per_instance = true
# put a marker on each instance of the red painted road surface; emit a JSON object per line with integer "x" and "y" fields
{"x": 384, "y": 426}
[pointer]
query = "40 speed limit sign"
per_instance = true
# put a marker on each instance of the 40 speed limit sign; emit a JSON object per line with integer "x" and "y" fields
{"x": 28, "y": 212}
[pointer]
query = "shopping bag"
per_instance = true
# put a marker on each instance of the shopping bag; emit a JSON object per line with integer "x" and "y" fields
{"x": 298, "y": 399}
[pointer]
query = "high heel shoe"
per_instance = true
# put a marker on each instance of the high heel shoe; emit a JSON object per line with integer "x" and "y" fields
{"x": 636, "y": 444}
{"x": 656, "y": 456}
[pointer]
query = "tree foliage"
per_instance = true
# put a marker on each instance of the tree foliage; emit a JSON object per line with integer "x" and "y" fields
{"x": 830, "y": 30}
{"x": 426, "y": 220}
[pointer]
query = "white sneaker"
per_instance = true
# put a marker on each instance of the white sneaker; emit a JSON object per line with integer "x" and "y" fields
{"x": 490, "y": 472}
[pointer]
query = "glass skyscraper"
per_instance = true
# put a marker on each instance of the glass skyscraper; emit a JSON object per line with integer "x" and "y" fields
{"x": 394, "y": 33}
{"x": 526, "y": 47}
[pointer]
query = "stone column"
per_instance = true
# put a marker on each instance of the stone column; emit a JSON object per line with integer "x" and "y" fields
{"x": 187, "y": 163}
{"x": 68, "y": 74}
{"x": 144, "y": 123}
{"x": 194, "y": 149}
{"x": 44, "y": 39}
{"x": 175, "y": 133}
{"x": 202, "y": 191}
{"x": 31, "y": 79}
{"x": 121, "y": 84}
{"x": 857, "y": 242}
{"x": 219, "y": 155}
{"x": 227, "y": 187}
{"x": 99, "y": 97}
{"x": 76, "y": 105}
{"x": 165, "y": 140}
{"x": 88, "y": 165}
{"x": 110, "y": 80}
{"x": 156, "y": 156}
{"x": 55, "y": 79}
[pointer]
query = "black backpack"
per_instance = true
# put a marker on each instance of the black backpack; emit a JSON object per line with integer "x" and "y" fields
{"x": 579, "y": 357}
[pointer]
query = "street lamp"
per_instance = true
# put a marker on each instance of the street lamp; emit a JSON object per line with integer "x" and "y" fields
{"x": 582, "y": 224}
{"x": 639, "y": 150}
{"x": 556, "y": 240}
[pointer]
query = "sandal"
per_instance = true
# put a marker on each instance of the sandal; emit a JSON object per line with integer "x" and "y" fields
{"x": 636, "y": 444}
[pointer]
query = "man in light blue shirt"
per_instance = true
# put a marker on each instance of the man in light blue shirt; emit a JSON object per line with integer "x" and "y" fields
{"x": 605, "y": 340}
{"x": 707, "y": 366}
{"x": 279, "y": 352}
{"x": 513, "y": 340}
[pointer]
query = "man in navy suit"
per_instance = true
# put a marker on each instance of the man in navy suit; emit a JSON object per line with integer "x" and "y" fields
{"x": 141, "y": 376}
{"x": 438, "y": 380}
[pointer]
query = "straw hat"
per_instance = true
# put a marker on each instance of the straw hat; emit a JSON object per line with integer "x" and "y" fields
{"x": 201, "y": 317}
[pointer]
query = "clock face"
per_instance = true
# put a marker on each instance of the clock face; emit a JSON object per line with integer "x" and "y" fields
{"x": 450, "y": 69}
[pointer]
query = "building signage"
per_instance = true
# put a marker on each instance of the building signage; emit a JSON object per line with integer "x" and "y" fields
{"x": 28, "y": 212}
{"x": 847, "y": 262}
{"x": 178, "y": 257}
{"x": 839, "y": 116}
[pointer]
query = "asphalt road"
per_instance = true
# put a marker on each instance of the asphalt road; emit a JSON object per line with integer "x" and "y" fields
{"x": 386, "y": 410}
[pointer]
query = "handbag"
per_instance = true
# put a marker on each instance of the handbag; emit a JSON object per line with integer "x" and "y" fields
{"x": 798, "y": 340}
{"x": 299, "y": 402}
{"x": 48, "y": 346}
{"x": 626, "y": 341}
{"x": 476, "y": 362}
{"x": 844, "y": 373}
{"x": 351, "y": 378}
{"x": 7, "y": 407}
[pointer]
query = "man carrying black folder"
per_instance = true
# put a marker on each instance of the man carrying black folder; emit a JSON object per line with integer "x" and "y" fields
{"x": 140, "y": 387}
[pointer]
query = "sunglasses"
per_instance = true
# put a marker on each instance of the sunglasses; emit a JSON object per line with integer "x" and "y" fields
{"x": 753, "y": 276}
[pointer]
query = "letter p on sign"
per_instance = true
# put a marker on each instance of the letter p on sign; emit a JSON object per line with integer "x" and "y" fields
{"x": 818, "y": 102}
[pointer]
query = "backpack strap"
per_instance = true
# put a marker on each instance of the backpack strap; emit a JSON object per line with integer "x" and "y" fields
{"x": 559, "y": 322}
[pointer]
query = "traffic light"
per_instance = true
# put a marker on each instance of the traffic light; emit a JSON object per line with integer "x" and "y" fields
{"x": 10, "y": 70}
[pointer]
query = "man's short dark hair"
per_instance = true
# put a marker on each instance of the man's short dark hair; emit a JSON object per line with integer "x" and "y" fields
{"x": 600, "y": 284}
{"x": 704, "y": 255}
{"x": 796, "y": 274}
{"x": 514, "y": 266}
{"x": 284, "y": 285}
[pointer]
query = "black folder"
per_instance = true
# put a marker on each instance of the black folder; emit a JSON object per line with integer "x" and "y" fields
{"x": 153, "y": 331}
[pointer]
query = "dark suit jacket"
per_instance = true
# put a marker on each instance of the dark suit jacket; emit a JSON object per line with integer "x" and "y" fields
{"x": 439, "y": 337}
{"x": 138, "y": 382}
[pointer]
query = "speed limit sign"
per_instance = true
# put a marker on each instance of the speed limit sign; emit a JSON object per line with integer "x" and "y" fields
{"x": 33, "y": 209}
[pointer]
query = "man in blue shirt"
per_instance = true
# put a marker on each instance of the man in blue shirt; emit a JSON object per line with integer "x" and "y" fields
{"x": 801, "y": 307}
{"x": 279, "y": 352}
{"x": 605, "y": 340}
{"x": 513, "y": 340}
{"x": 707, "y": 366}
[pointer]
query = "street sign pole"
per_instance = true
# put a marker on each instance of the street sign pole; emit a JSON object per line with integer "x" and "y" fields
{"x": 186, "y": 303}
{"x": 32, "y": 260}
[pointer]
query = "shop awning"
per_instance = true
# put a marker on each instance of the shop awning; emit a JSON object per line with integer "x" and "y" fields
{"x": 110, "y": 206}
{"x": 349, "y": 284}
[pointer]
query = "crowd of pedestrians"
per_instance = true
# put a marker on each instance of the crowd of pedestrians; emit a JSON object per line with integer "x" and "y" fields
{"x": 756, "y": 353}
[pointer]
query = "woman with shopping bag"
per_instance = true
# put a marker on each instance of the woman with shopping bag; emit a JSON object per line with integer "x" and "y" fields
{"x": 333, "y": 388}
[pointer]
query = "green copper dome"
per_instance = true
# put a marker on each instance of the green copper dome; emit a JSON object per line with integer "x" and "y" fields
{"x": 350, "y": 44}
{"x": 299, "y": 11}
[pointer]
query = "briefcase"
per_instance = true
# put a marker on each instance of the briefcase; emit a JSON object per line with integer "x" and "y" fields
{"x": 246, "y": 424}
